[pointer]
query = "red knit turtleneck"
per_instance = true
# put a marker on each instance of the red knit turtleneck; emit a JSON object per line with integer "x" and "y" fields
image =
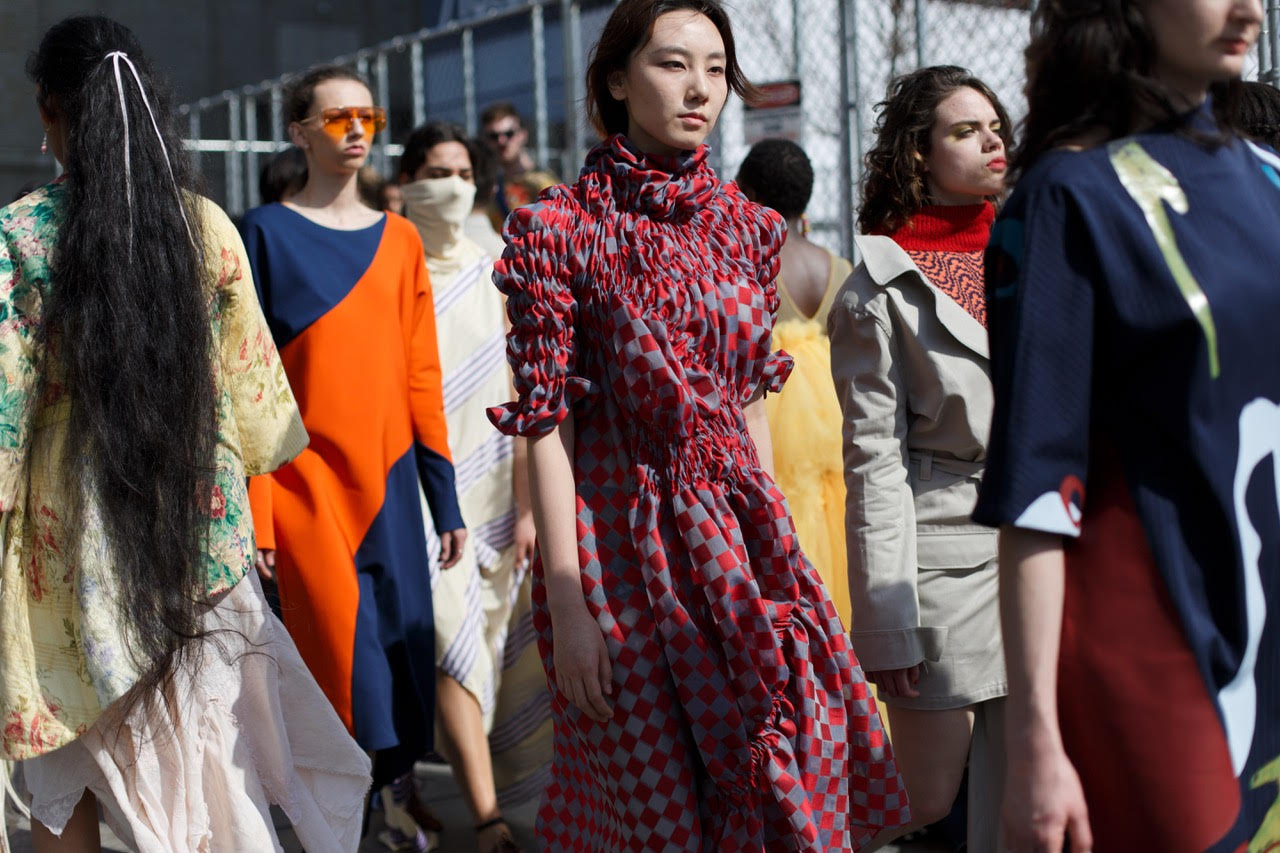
{"x": 947, "y": 228}
{"x": 946, "y": 243}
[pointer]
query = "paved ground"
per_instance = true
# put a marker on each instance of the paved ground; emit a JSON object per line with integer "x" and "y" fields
{"x": 441, "y": 795}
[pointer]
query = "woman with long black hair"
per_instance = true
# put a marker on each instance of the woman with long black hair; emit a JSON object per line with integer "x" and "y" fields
{"x": 139, "y": 666}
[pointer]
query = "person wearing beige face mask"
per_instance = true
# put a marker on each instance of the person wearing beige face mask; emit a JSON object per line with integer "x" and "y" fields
{"x": 488, "y": 591}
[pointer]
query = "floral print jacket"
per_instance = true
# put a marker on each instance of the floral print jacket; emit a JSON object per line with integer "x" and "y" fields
{"x": 62, "y": 643}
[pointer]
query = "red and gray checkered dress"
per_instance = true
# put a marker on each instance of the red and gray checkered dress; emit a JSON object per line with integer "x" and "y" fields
{"x": 641, "y": 299}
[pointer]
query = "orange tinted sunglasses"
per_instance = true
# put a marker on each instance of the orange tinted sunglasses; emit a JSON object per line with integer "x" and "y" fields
{"x": 337, "y": 121}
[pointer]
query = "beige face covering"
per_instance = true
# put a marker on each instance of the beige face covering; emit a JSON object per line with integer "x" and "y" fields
{"x": 438, "y": 203}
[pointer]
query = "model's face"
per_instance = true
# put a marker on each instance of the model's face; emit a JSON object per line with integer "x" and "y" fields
{"x": 1199, "y": 42}
{"x": 506, "y": 138}
{"x": 674, "y": 85}
{"x": 445, "y": 160}
{"x": 346, "y": 151}
{"x": 966, "y": 162}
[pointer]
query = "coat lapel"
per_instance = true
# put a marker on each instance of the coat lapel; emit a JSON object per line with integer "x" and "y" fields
{"x": 887, "y": 262}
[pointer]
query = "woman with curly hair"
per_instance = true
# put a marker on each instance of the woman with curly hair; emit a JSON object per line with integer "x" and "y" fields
{"x": 703, "y": 693}
{"x": 1132, "y": 284}
{"x": 140, "y": 668}
{"x": 909, "y": 360}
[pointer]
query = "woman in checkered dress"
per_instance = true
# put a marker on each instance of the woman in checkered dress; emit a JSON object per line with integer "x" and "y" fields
{"x": 704, "y": 695}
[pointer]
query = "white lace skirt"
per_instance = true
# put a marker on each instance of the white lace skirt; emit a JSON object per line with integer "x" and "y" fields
{"x": 199, "y": 769}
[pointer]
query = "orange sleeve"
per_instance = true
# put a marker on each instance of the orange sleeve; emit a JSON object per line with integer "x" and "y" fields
{"x": 264, "y": 528}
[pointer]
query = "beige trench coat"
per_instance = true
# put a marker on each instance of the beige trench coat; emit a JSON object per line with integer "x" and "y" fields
{"x": 911, "y": 370}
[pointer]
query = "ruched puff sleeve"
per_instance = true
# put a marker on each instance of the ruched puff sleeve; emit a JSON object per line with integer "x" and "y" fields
{"x": 764, "y": 247}
{"x": 534, "y": 274}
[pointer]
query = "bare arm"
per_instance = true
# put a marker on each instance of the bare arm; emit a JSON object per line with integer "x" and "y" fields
{"x": 526, "y": 531}
{"x": 583, "y": 672}
{"x": 1043, "y": 798}
{"x": 758, "y": 429}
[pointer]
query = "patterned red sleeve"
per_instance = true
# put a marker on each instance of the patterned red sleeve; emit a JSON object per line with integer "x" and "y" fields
{"x": 541, "y": 307}
{"x": 770, "y": 235}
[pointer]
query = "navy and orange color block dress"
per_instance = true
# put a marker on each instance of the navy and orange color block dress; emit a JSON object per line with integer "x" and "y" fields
{"x": 642, "y": 300}
{"x": 352, "y": 316}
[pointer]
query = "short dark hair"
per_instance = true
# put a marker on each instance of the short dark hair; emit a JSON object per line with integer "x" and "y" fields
{"x": 484, "y": 170}
{"x": 628, "y": 29}
{"x": 424, "y": 138}
{"x": 500, "y": 110}
{"x": 893, "y": 186}
{"x": 302, "y": 94}
{"x": 1255, "y": 112}
{"x": 778, "y": 173}
{"x": 283, "y": 175}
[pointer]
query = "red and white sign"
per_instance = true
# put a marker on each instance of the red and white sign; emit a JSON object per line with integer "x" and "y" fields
{"x": 777, "y": 115}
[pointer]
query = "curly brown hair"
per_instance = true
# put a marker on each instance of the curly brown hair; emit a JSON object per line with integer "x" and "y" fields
{"x": 893, "y": 187}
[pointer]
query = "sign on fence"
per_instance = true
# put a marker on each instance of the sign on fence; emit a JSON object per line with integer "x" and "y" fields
{"x": 776, "y": 115}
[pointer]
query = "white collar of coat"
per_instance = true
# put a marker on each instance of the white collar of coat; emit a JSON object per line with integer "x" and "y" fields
{"x": 887, "y": 264}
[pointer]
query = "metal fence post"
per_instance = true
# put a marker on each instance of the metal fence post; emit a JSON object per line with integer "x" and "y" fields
{"x": 571, "y": 35}
{"x": 418, "y": 84}
{"x": 251, "y": 155}
{"x": 920, "y": 52}
{"x": 277, "y": 116}
{"x": 235, "y": 169}
{"x": 851, "y": 122}
{"x": 469, "y": 79}
{"x": 538, "y": 43}
{"x": 384, "y": 100}
{"x": 1269, "y": 45}
{"x": 795, "y": 38}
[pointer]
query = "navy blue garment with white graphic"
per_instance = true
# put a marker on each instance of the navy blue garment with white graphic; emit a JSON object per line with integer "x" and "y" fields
{"x": 1134, "y": 298}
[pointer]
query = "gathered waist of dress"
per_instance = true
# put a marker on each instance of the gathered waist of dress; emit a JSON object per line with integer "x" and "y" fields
{"x": 711, "y": 448}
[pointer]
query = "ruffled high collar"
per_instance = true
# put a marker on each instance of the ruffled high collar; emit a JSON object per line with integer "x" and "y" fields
{"x": 657, "y": 185}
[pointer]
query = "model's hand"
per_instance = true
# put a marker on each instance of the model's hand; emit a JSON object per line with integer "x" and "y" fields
{"x": 897, "y": 682}
{"x": 1044, "y": 803}
{"x": 266, "y": 563}
{"x": 451, "y": 542}
{"x": 525, "y": 536}
{"x": 581, "y": 660}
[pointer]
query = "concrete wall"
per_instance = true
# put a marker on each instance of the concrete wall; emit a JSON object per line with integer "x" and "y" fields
{"x": 204, "y": 46}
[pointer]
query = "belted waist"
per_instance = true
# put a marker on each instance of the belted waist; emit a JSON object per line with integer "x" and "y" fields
{"x": 928, "y": 460}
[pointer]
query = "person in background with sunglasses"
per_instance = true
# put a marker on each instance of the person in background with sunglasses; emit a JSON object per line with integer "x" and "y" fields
{"x": 346, "y": 293}
{"x": 505, "y": 134}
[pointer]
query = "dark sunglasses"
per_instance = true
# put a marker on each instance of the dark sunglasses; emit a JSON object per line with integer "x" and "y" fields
{"x": 500, "y": 135}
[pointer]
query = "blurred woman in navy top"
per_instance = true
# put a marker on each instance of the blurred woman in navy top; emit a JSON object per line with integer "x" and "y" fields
{"x": 1132, "y": 290}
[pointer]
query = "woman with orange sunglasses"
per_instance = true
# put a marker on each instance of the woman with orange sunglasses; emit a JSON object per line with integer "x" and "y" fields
{"x": 346, "y": 293}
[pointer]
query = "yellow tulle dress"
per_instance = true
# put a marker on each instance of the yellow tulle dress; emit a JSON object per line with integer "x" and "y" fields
{"x": 805, "y": 426}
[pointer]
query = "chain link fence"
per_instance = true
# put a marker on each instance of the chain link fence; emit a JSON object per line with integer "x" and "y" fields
{"x": 843, "y": 53}
{"x": 531, "y": 54}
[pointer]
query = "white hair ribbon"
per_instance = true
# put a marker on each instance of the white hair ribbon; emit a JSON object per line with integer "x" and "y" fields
{"x": 117, "y": 56}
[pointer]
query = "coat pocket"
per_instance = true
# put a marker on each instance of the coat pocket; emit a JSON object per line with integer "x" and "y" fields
{"x": 968, "y": 548}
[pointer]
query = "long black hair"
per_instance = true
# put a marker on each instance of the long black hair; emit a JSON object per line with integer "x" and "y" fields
{"x": 1090, "y": 73}
{"x": 127, "y": 328}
